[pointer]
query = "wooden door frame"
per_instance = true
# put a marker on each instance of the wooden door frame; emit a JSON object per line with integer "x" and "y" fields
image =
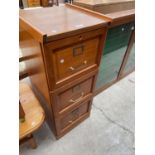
{"x": 121, "y": 73}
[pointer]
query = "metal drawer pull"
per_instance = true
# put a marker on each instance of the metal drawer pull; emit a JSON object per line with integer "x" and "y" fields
{"x": 73, "y": 69}
{"x": 77, "y": 100}
{"x": 85, "y": 62}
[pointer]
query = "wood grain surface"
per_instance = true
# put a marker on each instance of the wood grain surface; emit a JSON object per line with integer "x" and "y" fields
{"x": 34, "y": 114}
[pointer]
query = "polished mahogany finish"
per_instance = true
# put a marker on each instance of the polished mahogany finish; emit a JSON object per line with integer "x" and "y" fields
{"x": 62, "y": 60}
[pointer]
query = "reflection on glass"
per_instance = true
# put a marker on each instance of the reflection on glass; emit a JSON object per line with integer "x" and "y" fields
{"x": 115, "y": 48}
{"x": 130, "y": 66}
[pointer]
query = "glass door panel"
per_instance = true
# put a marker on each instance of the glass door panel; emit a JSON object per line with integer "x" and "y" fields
{"x": 130, "y": 65}
{"x": 114, "y": 51}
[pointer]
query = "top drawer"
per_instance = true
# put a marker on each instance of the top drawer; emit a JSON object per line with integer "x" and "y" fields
{"x": 68, "y": 58}
{"x": 72, "y": 59}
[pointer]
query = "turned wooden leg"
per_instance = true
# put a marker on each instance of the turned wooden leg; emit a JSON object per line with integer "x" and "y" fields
{"x": 32, "y": 142}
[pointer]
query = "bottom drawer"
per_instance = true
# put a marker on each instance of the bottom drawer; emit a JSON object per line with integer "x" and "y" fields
{"x": 68, "y": 121}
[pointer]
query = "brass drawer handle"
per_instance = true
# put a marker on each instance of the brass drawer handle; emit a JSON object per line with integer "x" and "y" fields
{"x": 73, "y": 68}
{"x": 77, "y": 100}
{"x": 85, "y": 62}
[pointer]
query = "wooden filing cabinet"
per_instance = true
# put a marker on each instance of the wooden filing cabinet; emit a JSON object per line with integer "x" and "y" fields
{"x": 62, "y": 58}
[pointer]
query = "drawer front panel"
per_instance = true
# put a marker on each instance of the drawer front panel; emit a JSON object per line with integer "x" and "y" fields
{"x": 73, "y": 56}
{"x": 70, "y": 118}
{"x": 74, "y": 95}
{"x": 70, "y": 60}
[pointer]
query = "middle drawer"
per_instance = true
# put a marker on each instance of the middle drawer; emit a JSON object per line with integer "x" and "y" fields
{"x": 65, "y": 99}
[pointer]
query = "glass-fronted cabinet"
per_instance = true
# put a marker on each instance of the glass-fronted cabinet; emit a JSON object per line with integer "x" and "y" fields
{"x": 115, "y": 48}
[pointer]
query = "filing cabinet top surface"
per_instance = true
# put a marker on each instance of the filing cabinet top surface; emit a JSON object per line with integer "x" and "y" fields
{"x": 60, "y": 20}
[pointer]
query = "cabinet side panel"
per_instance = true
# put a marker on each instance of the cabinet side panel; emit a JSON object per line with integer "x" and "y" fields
{"x": 31, "y": 50}
{"x": 32, "y": 53}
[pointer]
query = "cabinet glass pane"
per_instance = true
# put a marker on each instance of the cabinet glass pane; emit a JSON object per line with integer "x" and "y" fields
{"x": 130, "y": 65}
{"x": 112, "y": 57}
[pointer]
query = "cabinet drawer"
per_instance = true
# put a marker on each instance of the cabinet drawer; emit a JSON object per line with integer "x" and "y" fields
{"x": 72, "y": 57}
{"x": 73, "y": 96}
{"x": 71, "y": 118}
{"x": 70, "y": 60}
